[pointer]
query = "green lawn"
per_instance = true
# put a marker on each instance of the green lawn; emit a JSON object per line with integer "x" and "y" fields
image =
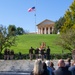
{"x": 24, "y": 42}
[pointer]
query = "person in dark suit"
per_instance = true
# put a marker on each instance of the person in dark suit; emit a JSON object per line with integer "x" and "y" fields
{"x": 31, "y": 53}
{"x": 62, "y": 70}
{"x": 5, "y": 54}
{"x": 11, "y": 54}
{"x": 36, "y": 53}
{"x": 48, "y": 53}
{"x": 72, "y": 69}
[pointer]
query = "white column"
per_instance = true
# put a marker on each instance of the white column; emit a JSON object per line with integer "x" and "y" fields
{"x": 45, "y": 31}
{"x": 48, "y": 30}
{"x": 41, "y": 30}
{"x": 38, "y": 31}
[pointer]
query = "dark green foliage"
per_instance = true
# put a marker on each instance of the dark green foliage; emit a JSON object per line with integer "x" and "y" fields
{"x": 6, "y": 40}
{"x": 12, "y": 30}
{"x": 67, "y": 40}
{"x": 63, "y": 56}
{"x": 69, "y": 18}
{"x": 53, "y": 56}
{"x": 20, "y": 31}
{"x": 59, "y": 24}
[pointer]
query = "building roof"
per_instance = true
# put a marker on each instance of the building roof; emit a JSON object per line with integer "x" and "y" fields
{"x": 45, "y": 22}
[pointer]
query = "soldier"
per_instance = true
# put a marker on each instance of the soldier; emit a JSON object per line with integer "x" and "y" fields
{"x": 5, "y": 54}
{"x": 39, "y": 52}
{"x": 42, "y": 54}
{"x": 8, "y": 54}
{"x": 48, "y": 53}
{"x": 31, "y": 53}
{"x": 11, "y": 54}
{"x": 36, "y": 52}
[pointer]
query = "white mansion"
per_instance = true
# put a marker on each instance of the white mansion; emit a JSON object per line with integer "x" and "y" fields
{"x": 45, "y": 27}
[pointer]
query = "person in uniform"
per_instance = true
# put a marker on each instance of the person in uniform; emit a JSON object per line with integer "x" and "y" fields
{"x": 36, "y": 53}
{"x": 5, "y": 54}
{"x": 11, "y": 54}
{"x": 48, "y": 53}
{"x": 42, "y": 54}
{"x": 31, "y": 53}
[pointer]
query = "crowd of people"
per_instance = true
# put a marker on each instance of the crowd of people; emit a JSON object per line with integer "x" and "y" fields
{"x": 47, "y": 67}
{"x": 8, "y": 54}
{"x": 39, "y": 53}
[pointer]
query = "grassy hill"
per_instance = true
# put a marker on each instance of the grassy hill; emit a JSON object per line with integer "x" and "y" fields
{"x": 24, "y": 42}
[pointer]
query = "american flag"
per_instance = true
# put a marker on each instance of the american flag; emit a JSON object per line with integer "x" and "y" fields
{"x": 31, "y": 9}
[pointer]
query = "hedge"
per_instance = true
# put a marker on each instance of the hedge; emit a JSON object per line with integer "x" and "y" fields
{"x": 52, "y": 56}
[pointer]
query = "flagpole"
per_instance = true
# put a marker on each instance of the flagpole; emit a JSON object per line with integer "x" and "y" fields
{"x": 35, "y": 15}
{"x": 35, "y": 20}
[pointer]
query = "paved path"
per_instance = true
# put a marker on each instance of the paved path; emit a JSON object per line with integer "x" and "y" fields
{"x": 18, "y": 67}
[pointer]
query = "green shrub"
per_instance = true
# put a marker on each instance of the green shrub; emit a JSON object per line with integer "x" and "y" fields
{"x": 18, "y": 56}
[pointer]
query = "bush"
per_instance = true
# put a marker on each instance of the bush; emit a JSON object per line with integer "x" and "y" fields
{"x": 63, "y": 56}
{"x": 52, "y": 56}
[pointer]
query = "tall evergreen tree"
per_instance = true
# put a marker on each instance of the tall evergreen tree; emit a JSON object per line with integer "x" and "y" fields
{"x": 67, "y": 36}
{"x": 59, "y": 24}
{"x": 69, "y": 18}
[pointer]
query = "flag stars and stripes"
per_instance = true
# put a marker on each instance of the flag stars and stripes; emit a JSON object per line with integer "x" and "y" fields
{"x": 31, "y": 9}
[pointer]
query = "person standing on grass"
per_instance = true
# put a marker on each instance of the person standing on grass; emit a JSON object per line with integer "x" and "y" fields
{"x": 8, "y": 54}
{"x": 11, "y": 54}
{"x": 5, "y": 54}
{"x": 36, "y": 53}
{"x": 31, "y": 53}
{"x": 48, "y": 53}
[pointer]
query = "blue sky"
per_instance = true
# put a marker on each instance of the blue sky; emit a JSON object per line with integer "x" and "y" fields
{"x": 15, "y": 12}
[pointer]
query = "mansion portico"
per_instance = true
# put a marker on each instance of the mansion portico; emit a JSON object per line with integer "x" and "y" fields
{"x": 45, "y": 27}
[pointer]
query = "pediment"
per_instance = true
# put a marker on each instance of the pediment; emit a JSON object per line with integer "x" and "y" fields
{"x": 45, "y": 22}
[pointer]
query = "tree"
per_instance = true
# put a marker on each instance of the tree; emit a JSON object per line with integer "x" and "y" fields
{"x": 12, "y": 30}
{"x": 6, "y": 40}
{"x": 69, "y": 18}
{"x": 67, "y": 40}
{"x": 59, "y": 24}
{"x": 20, "y": 31}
